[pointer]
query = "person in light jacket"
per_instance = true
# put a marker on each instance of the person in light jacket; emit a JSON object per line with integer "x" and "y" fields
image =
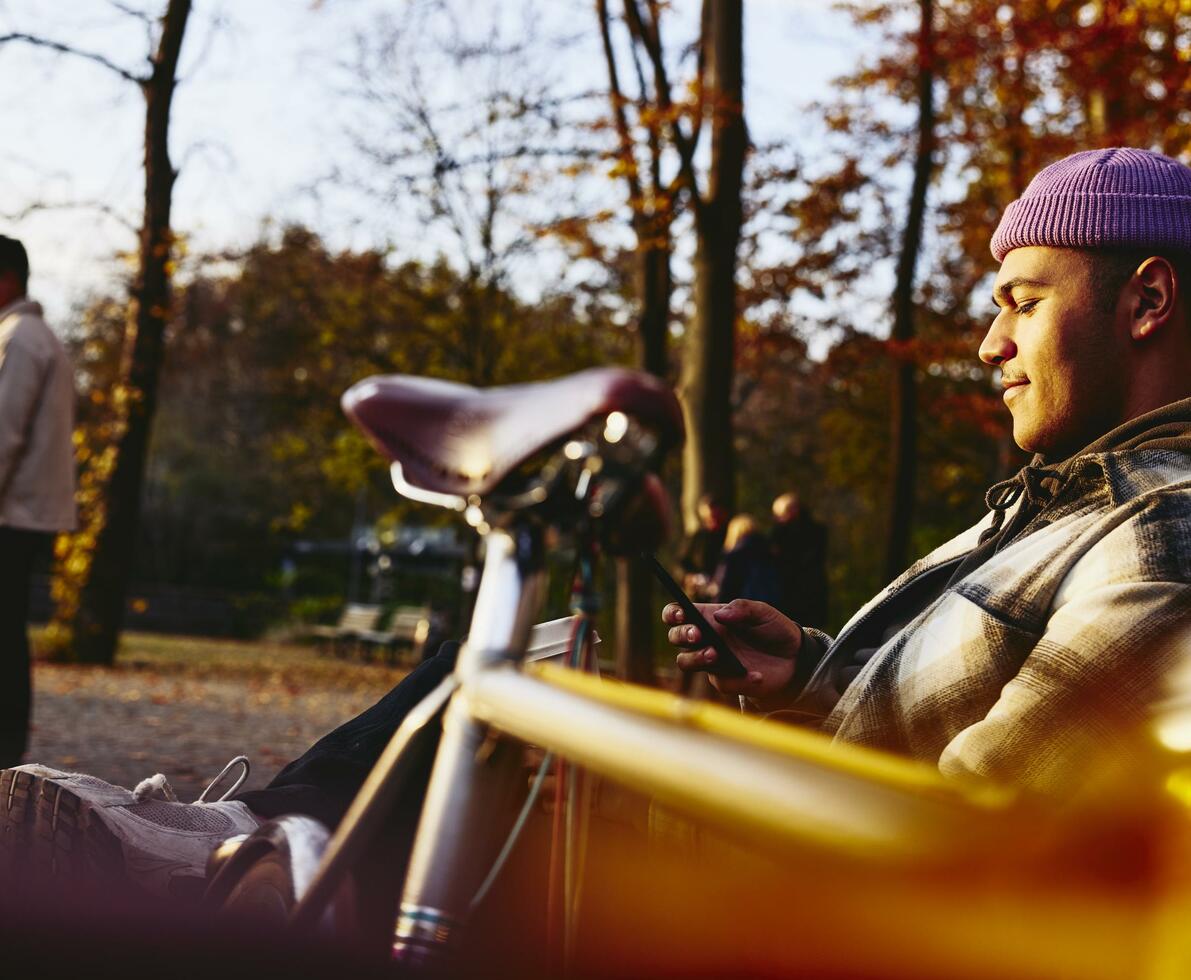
{"x": 36, "y": 476}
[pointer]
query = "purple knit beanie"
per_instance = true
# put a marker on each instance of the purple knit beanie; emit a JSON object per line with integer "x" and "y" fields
{"x": 1120, "y": 197}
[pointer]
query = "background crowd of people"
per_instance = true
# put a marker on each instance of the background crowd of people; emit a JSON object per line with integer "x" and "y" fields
{"x": 737, "y": 558}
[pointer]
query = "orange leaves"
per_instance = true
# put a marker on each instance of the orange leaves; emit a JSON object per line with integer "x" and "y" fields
{"x": 622, "y": 167}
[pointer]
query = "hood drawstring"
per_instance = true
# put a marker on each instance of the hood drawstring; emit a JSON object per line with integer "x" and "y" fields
{"x": 1029, "y": 480}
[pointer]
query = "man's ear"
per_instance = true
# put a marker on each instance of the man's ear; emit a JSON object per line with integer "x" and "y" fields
{"x": 1153, "y": 297}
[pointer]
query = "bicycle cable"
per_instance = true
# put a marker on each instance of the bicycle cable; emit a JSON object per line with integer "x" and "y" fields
{"x": 580, "y": 645}
{"x": 514, "y": 834}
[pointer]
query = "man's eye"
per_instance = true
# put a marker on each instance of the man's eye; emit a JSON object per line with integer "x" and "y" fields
{"x": 1026, "y": 307}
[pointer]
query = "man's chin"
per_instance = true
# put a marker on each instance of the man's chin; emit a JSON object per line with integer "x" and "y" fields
{"x": 1022, "y": 436}
{"x": 1029, "y": 439}
{"x": 1049, "y": 445}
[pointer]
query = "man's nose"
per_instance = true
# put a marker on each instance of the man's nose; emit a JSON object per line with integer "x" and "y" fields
{"x": 997, "y": 346}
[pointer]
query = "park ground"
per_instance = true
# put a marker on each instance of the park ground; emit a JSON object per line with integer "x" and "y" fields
{"x": 185, "y": 706}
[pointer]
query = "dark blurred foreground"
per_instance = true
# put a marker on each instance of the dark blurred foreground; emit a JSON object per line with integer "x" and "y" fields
{"x": 99, "y": 934}
{"x": 1090, "y": 899}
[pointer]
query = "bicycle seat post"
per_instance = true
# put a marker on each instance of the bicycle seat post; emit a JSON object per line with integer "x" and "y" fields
{"x": 460, "y": 829}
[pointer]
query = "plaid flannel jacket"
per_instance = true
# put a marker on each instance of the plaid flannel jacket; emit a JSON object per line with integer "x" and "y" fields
{"x": 1038, "y": 667}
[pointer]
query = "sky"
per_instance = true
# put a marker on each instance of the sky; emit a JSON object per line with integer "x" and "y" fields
{"x": 259, "y": 118}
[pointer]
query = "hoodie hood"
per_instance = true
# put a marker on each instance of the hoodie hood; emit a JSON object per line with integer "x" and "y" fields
{"x": 1166, "y": 429}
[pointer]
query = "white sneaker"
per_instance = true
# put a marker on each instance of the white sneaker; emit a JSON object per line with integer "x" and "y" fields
{"x": 75, "y": 827}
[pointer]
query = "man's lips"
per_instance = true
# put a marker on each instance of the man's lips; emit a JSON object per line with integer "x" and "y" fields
{"x": 1012, "y": 384}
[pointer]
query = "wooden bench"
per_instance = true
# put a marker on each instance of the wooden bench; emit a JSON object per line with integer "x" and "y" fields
{"x": 408, "y": 628}
{"x": 356, "y": 623}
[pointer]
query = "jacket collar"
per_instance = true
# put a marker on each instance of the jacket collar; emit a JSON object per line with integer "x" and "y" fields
{"x": 20, "y": 306}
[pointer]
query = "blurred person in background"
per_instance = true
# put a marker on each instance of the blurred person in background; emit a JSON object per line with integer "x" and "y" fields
{"x": 799, "y": 545}
{"x": 36, "y": 476}
{"x": 746, "y": 569}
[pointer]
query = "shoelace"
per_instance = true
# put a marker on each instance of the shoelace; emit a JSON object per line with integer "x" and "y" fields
{"x": 158, "y": 786}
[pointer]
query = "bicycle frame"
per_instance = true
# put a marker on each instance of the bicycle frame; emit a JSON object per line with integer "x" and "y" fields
{"x": 456, "y": 838}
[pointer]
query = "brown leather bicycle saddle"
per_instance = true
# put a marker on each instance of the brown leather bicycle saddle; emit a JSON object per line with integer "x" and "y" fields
{"x": 455, "y": 439}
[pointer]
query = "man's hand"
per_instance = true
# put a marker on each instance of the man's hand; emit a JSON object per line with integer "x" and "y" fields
{"x": 765, "y": 642}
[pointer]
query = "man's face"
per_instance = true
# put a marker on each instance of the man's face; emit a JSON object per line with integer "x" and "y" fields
{"x": 1063, "y": 358}
{"x": 712, "y": 515}
{"x": 10, "y": 288}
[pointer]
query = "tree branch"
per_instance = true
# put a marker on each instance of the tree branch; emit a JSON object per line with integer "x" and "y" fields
{"x": 650, "y": 39}
{"x": 654, "y": 135}
{"x": 105, "y": 209}
{"x": 131, "y": 11}
{"x": 43, "y": 42}
{"x": 700, "y": 63}
{"x": 146, "y": 21}
{"x": 627, "y": 157}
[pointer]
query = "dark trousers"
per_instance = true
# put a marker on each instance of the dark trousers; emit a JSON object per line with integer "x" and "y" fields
{"x": 18, "y": 551}
{"x": 325, "y": 779}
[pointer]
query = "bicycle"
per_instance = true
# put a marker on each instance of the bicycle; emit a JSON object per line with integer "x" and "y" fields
{"x": 579, "y": 454}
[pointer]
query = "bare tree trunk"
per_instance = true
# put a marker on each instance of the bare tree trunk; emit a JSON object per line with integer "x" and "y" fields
{"x": 904, "y": 443}
{"x": 652, "y": 212}
{"x": 100, "y": 613}
{"x": 656, "y": 289}
{"x": 635, "y": 609}
{"x": 708, "y": 356}
{"x": 706, "y": 382}
{"x": 635, "y": 616}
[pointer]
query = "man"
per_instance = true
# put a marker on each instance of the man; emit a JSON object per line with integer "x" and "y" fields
{"x": 36, "y": 476}
{"x": 1029, "y": 646}
{"x": 799, "y": 545}
{"x": 1018, "y": 650}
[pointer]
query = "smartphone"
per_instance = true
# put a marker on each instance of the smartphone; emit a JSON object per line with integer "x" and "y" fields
{"x": 726, "y": 664}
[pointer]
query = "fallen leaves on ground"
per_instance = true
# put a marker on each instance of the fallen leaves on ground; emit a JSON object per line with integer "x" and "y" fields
{"x": 184, "y": 707}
